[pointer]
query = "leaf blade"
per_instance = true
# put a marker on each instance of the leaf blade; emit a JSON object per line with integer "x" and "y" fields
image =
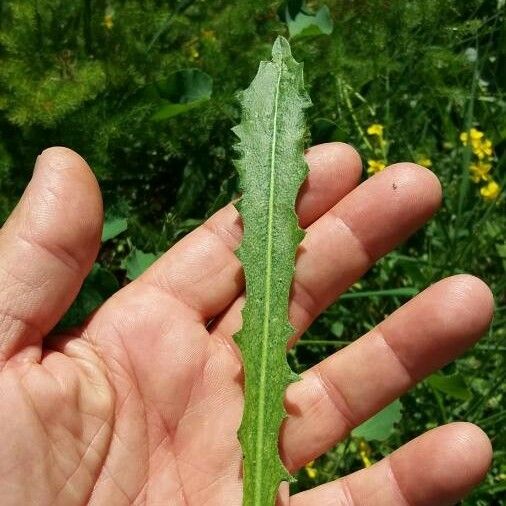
{"x": 310, "y": 25}
{"x": 272, "y": 169}
{"x": 453, "y": 385}
{"x": 113, "y": 227}
{"x": 182, "y": 91}
{"x": 380, "y": 426}
{"x": 137, "y": 262}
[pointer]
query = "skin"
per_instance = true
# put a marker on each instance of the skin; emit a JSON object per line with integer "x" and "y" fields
{"x": 141, "y": 405}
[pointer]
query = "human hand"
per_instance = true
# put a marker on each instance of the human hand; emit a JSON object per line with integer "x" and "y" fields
{"x": 142, "y": 404}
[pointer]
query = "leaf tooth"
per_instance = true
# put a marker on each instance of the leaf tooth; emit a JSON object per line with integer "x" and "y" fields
{"x": 239, "y": 132}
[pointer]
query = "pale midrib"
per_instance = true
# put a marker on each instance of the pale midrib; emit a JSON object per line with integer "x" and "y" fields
{"x": 267, "y": 306}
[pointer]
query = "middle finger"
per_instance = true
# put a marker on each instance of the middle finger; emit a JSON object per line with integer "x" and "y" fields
{"x": 341, "y": 245}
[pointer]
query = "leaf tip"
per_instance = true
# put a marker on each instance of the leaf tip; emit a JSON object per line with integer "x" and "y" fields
{"x": 281, "y": 49}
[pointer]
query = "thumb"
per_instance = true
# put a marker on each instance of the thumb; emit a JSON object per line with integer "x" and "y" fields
{"x": 47, "y": 247}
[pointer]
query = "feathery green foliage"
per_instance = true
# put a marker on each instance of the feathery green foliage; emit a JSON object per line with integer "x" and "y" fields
{"x": 271, "y": 169}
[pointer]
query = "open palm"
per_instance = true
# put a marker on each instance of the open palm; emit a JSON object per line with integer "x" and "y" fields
{"x": 142, "y": 404}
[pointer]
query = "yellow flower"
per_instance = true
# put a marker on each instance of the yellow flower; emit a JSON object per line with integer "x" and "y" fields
{"x": 108, "y": 21}
{"x": 375, "y": 129}
{"x": 424, "y": 161}
{"x": 375, "y": 166}
{"x": 310, "y": 470}
{"x": 479, "y": 171}
{"x": 490, "y": 191}
{"x": 474, "y": 134}
{"x": 482, "y": 148}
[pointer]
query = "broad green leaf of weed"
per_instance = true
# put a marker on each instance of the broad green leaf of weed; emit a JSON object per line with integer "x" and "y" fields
{"x": 180, "y": 92}
{"x": 114, "y": 226}
{"x": 308, "y": 25}
{"x": 271, "y": 169}
{"x": 453, "y": 385}
{"x": 381, "y": 426}
{"x": 137, "y": 262}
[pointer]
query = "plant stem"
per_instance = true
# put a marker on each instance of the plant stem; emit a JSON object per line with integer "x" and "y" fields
{"x": 391, "y": 292}
{"x": 466, "y": 158}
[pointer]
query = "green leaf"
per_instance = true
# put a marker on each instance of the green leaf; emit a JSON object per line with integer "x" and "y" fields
{"x": 453, "y": 385}
{"x": 181, "y": 91}
{"x": 97, "y": 287}
{"x": 381, "y": 426}
{"x": 501, "y": 250}
{"x": 271, "y": 170}
{"x": 290, "y": 8}
{"x": 307, "y": 24}
{"x": 337, "y": 328}
{"x": 137, "y": 262}
{"x": 113, "y": 227}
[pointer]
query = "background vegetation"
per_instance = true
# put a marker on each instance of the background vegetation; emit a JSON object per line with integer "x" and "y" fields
{"x": 144, "y": 90}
